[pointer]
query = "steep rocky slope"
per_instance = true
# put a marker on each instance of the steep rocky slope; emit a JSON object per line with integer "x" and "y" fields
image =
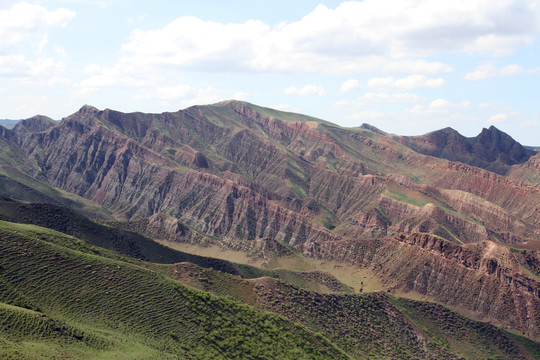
{"x": 492, "y": 149}
{"x": 259, "y": 175}
{"x": 241, "y": 176}
{"x": 492, "y": 281}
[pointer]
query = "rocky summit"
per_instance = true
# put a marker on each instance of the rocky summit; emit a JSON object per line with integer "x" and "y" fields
{"x": 439, "y": 217}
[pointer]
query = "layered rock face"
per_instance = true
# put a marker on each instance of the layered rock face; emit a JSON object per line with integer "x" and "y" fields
{"x": 242, "y": 176}
{"x": 490, "y": 280}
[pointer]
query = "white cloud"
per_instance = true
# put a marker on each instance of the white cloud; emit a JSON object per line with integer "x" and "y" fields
{"x": 24, "y": 31}
{"x": 308, "y": 90}
{"x": 496, "y": 107}
{"x": 488, "y": 71}
{"x": 439, "y": 106}
{"x": 91, "y": 69}
{"x": 356, "y": 37}
{"x": 241, "y": 96}
{"x": 407, "y": 83}
{"x": 286, "y": 107}
{"x": 60, "y": 51}
{"x": 11, "y": 64}
{"x": 392, "y": 98}
{"x": 209, "y": 95}
{"x": 500, "y": 44}
{"x": 165, "y": 93}
{"x": 365, "y": 115}
{"x": 80, "y": 93}
{"x": 530, "y": 123}
{"x": 408, "y": 66}
{"x": 44, "y": 66}
{"x": 343, "y": 103}
{"x": 40, "y": 71}
{"x": 483, "y": 106}
{"x": 352, "y": 38}
{"x": 119, "y": 75}
{"x": 56, "y": 81}
{"x": 32, "y": 16}
{"x": 187, "y": 95}
{"x": 349, "y": 85}
{"x": 370, "y": 98}
{"x": 192, "y": 42}
{"x": 29, "y": 23}
{"x": 498, "y": 118}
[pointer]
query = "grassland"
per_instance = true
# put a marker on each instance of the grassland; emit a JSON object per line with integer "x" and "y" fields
{"x": 369, "y": 325}
{"x": 70, "y": 303}
{"x": 469, "y": 339}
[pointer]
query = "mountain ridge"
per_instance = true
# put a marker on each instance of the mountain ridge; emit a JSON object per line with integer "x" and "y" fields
{"x": 244, "y": 176}
{"x": 491, "y": 149}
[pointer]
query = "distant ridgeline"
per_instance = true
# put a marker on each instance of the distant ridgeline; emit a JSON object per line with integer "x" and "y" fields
{"x": 8, "y": 124}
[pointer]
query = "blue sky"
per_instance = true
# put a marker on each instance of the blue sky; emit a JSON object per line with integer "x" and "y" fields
{"x": 405, "y": 66}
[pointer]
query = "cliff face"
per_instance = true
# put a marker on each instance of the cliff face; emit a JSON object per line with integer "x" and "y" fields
{"x": 237, "y": 171}
{"x": 490, "y": 280}
{"x": 245, "y": 177}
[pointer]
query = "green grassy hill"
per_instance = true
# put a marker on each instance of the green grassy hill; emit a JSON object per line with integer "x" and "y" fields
{"x": 373, "y": 325}
{"x": 60, "y": 302}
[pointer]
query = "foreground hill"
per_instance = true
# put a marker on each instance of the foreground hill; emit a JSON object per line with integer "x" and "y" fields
{"x": 60, "y": 302}
{"x": 248, "y": 178}
{"x": 62, "y": 297}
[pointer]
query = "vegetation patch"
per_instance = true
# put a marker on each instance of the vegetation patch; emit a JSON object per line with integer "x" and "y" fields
{"x": 83, "y": 290}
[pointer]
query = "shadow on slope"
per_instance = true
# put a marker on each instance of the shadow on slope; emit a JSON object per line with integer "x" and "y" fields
{"x": 139, "y": 247}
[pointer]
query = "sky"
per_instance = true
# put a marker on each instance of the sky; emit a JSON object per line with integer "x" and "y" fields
{"x": 407, "y": 67}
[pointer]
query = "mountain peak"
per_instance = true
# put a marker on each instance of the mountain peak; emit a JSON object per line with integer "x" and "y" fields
{"x": 230, "y": 102}
{"x": 36, "y": 123}
{"x": 496, "y": 136}
{"x": 492, "y": 149}
{"x": 448, "y": 130}
{"x": 88, "y": 109}
{"x": 373, "y": 129}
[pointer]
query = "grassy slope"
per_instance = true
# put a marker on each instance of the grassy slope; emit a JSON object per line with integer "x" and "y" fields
{"x": 139, "y": 247}
{"x": 370, "y": 324}
{"x": 15, "y": 184}
{"x": 470, "y": 339}
{"x": 83, "y": 305}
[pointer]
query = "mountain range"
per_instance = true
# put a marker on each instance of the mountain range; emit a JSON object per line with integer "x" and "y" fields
{"x": 437, "y": 232}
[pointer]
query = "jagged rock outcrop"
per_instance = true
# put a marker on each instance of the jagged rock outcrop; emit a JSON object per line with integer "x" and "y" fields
{"x": 492, "y": 149}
